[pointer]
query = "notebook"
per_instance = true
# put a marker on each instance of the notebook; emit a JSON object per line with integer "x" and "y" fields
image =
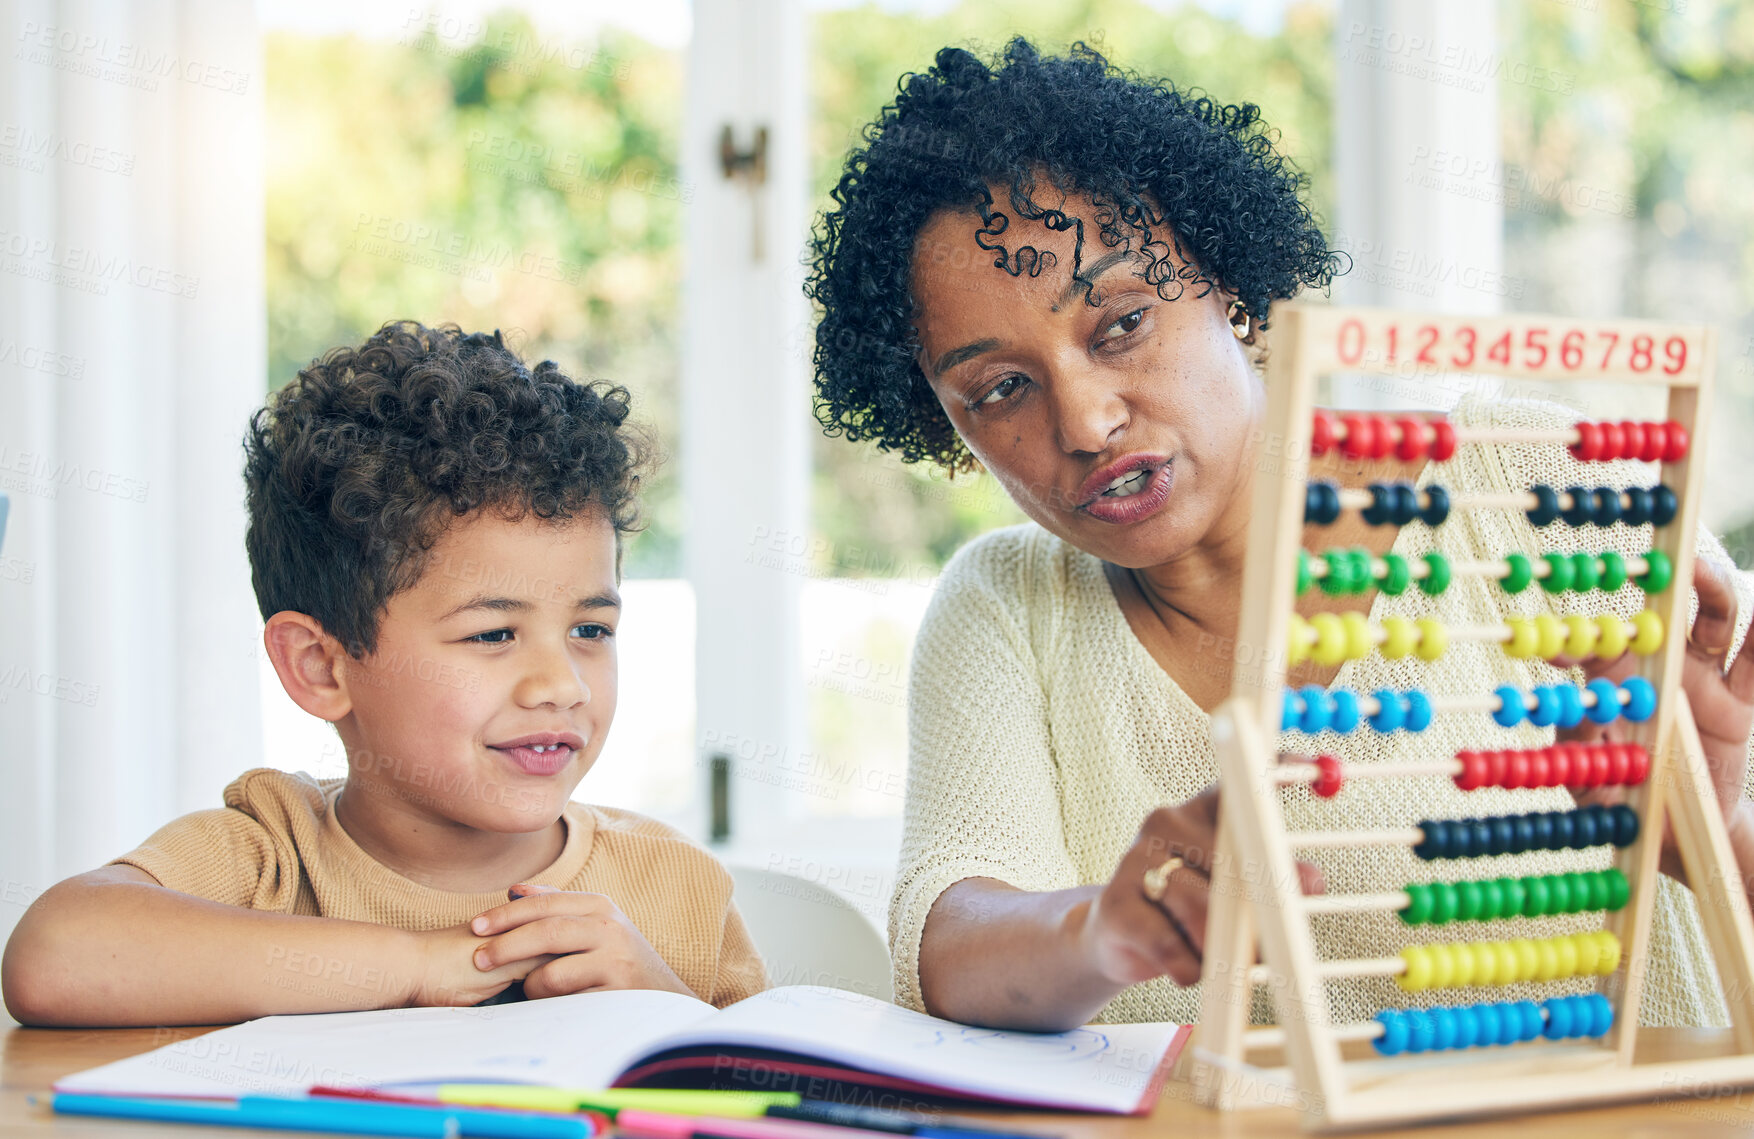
{"x": 825, "y": 1043}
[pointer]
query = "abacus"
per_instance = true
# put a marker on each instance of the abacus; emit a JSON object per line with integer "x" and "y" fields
{"x": 1487, "y": 1056}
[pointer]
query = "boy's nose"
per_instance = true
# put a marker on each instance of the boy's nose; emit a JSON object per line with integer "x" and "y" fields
{"x": 553, "y": 680}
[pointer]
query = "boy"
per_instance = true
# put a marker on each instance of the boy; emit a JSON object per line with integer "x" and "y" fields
{"x": 434, "y": 541}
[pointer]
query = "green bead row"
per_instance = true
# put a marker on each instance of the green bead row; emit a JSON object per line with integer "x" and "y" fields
{"x": 1349, "y": 571}
{"x": 1438, "y": 903}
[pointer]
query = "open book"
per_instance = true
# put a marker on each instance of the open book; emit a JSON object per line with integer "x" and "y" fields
{"x": 824, "y": 1043}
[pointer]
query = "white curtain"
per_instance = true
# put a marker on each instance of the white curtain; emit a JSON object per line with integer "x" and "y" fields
{"x": 132, "y": 349}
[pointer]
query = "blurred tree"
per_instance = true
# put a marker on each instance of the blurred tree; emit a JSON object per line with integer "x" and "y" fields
{"x": 517, "y": 182}
{"x": 514, "y": 181}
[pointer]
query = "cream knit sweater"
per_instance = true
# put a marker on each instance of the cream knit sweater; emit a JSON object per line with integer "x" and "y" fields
{"x": 1041, "y": 732}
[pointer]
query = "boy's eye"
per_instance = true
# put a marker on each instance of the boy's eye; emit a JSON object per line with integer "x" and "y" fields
{"x": 1124, "y": 325}
{"x": 1000, "y": 391}
{"x": 592, "y": 631}
{"x": 492, "y": 637}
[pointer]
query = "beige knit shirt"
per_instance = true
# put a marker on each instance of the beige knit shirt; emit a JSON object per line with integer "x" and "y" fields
{"x": 1041, "y": 732}
{"x": 276, "y": 845}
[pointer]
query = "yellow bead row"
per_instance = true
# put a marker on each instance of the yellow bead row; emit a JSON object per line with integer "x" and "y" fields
{"x": 1329, "y": 638}
{"x": 1605, "y": 636}
{"x": 1459, "y": 963}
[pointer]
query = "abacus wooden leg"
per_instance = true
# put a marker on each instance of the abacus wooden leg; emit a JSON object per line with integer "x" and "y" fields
{"x": 1218, "y": 1056}
{"x": 1720, "y": 891}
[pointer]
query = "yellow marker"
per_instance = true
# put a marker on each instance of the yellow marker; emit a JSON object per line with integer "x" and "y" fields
{"x": 611, "y": 1100}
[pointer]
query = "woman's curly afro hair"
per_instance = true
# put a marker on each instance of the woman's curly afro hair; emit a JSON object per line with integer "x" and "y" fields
{"x": 1196, "y": 185}
{"x": 354, "y": 469}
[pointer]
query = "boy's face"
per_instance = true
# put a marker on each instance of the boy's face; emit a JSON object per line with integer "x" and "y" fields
{"x": 493, "y": 683}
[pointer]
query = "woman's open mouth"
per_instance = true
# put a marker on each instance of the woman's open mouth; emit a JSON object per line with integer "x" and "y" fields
{"x": 1133, "y": 495}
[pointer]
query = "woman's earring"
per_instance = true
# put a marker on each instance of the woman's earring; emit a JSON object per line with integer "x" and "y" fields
{"x": 1239, "y": 320}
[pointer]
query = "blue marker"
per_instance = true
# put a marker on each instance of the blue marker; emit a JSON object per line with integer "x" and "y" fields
{"x": 298, "y": 1114}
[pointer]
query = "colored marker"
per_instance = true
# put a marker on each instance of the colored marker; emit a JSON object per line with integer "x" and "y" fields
{"x": 609, "y": 1101}
{"x": 892, "y": 1122}
{"x": 652, "y": 1125}
{"x": 361, "y": 1117}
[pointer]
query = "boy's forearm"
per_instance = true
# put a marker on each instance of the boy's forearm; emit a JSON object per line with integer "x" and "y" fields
{"x": 97, "y": 951}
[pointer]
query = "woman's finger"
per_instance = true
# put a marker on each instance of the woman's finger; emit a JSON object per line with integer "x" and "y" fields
{"x": 1714, "y": 628}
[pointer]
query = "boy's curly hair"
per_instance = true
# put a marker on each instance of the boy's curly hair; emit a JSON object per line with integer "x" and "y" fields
{"x": 1171, "y": 171}
{"x": 353, "y": 469}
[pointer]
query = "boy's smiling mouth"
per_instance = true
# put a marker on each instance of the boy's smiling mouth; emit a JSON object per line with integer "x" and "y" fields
{"x": 541, "y": 753}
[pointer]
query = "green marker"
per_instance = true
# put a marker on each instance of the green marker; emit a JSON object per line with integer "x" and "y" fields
{"x": 609, "y": 1101}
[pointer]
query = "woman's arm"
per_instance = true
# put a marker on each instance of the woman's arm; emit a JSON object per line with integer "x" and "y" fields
{"x": 113, "y": 948}
{"x": 992, "y": 922}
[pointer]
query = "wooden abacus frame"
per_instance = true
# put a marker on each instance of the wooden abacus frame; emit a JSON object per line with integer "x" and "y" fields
{"x": 1255, "y": 892}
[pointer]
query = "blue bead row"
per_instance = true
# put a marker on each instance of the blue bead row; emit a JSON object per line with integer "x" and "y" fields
{"x": 1485, "y": 1025}
{"x": 1561, "y": 705}
{"x": 1313, "y": 708}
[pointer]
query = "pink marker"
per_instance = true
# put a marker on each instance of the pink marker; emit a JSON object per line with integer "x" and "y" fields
{"x": 657, "y": 1125}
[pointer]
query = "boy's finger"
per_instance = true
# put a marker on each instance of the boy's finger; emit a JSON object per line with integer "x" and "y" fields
{"x": 553, "y": 935}
{"x": 573, "y": 973}
{"x": 531, "y": 907}
{"x": 525, "y": 889}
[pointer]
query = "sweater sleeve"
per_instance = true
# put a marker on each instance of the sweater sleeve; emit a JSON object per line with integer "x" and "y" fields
{"x": 983, "y": 788}
{"x": 222, "y": 855}
{"x": 741, "y": 973}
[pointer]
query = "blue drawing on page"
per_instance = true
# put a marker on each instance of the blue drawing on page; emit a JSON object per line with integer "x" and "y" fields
{"x": 1078, "y": 1044}
{"x": 514, "y": 1060}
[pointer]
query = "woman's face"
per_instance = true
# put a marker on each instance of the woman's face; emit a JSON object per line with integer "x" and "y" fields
{"x": 1122, "y": 426}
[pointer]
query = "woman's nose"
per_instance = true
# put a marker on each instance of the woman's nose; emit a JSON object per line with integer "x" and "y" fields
{"x": 1089, "y": 409}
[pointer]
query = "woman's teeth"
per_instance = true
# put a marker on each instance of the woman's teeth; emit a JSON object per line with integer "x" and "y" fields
{"x": 549, "y": 747}
{"x": 1128, "y": 485}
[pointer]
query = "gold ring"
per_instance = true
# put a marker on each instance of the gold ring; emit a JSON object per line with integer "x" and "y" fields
{"x": 1157, "y": 878}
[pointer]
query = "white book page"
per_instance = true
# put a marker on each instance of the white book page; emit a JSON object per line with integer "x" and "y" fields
{"x": 1100, "y": 1068}
{"x": 583, "y": 1040}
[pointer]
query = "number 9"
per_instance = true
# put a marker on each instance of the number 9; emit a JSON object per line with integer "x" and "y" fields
{"x": 1675, "y": 349}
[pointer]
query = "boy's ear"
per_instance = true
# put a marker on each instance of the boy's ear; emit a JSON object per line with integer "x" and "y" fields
{"x": 308, "y": 662}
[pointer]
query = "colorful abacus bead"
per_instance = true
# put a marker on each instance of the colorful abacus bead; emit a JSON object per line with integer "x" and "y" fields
{"x": 1446, "y": 965}
{"x": 1329, "y": 777}
{"x": 1321, "y": 503}
{"x": 1584, "y": 827}
{"x": 1436, "y": 903}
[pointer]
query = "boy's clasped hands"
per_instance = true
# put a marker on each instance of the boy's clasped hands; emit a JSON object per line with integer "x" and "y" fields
{"x": 555, "y": 941}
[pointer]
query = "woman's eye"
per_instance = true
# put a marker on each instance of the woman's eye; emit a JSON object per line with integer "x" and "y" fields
{"x": 593, "y": 632}
{"x": 1001, "y": 390}
{"x": 492, "y": 637}
{"x": 1124, "y": 325}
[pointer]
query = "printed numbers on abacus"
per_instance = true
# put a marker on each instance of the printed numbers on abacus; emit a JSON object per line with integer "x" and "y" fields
{"x": 1534, "y": 348}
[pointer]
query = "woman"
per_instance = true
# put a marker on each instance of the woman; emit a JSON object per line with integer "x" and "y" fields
{"x": 1062, "y": 273}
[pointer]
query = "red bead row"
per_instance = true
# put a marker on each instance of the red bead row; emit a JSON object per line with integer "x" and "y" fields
{"x": 1562, "y": 765}
{"x": 1406, "y": 437}
{"x": 1599, "y": 442}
